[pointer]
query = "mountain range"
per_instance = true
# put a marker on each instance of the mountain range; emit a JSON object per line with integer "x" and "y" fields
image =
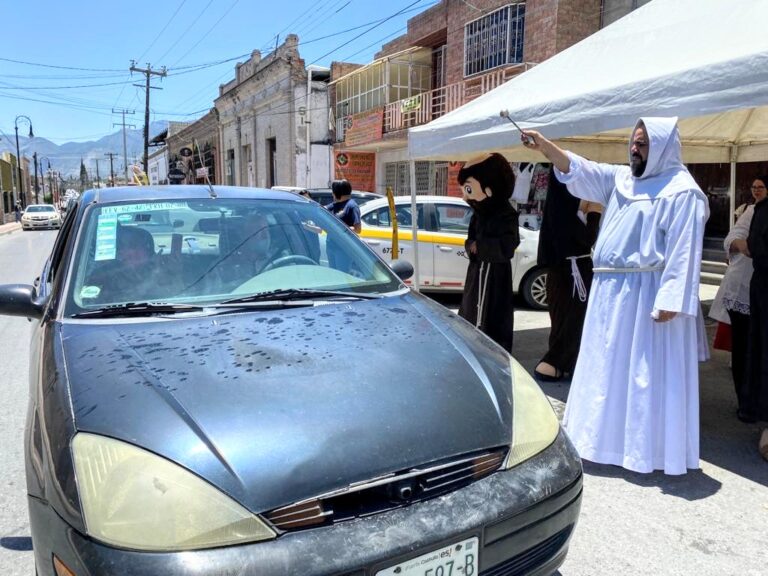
{"x": 66, "y": 157}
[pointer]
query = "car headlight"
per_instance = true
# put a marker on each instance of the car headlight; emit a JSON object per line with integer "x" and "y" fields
{"x": 534, "y": 423}
{"x": 135, "y": 499}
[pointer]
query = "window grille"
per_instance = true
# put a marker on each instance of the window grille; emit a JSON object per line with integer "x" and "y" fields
{"x": 494, "y": 40}
{"x": 431, "y": 178}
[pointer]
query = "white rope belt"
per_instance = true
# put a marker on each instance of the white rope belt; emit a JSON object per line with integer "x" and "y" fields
{"x": 607, "y": 270}
{"x": 485, "y": 269}
{"x": 578, "y": 282}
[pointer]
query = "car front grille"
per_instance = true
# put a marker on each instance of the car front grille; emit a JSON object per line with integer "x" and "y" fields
{"x": 532, "y": 558}
{"x": 388, "y": 492}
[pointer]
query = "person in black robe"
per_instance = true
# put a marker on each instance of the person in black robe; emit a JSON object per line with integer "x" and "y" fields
{"x": 753, "y": 399}
{"x": 568, "y": 232}
{"x": 491, "y": 241}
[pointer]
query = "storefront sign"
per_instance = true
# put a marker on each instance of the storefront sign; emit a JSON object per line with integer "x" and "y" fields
{"x": 366, "y": 128}
{"x": 410, "y": 104}
{"x": 357, "y": 167}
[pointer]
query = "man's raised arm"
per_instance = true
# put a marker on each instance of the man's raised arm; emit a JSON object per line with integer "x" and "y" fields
{"x": 533, "y": 140}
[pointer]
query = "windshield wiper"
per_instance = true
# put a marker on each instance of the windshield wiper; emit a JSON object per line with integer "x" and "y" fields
{"x": 138, "y": 309}
{"x": 297, "y": 294}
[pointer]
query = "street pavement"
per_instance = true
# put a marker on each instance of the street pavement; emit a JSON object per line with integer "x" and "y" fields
{"x": 710, "y": 522}
{"x": 22, "y": 255}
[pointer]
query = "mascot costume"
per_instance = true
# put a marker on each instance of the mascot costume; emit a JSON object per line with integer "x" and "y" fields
{"x": 493, "y": 236}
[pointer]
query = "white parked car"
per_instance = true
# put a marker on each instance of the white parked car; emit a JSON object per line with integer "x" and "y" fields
{"x": 40, "y": 216}
{"x": 443, "y": 222}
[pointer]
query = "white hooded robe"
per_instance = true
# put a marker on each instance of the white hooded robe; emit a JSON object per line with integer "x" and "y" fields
{"x": 634, "y": 397}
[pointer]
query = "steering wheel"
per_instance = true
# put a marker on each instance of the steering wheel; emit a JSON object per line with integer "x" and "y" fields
{"x": 286, "y": 260}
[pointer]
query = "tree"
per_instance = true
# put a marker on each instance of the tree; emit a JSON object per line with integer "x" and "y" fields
{"x": 83, "y": 176}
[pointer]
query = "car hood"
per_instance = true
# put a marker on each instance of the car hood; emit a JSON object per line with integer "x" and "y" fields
{"x": 278, "y": 406}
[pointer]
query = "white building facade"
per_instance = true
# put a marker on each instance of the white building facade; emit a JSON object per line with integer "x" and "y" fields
{"x": 274, "y": 123}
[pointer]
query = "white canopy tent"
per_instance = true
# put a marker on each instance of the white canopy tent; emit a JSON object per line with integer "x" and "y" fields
{"x": 705, "y": 61}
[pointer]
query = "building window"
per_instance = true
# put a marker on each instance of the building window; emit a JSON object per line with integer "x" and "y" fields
{"x": 612, "y": 10}
{"x": 271, "y": 162}
{"x": 230, "y": 167}
{"x": 431, "y": 178}
{"x": 494, "y": 40}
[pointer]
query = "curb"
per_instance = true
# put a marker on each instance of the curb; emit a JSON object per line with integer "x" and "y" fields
{"x": 10, "y": 230}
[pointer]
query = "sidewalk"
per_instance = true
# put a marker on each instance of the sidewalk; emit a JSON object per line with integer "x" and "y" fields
{"x": 9, "y": 227}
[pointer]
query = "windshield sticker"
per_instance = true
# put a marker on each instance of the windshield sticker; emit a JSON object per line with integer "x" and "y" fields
{"x": 106, "y": 237}
{"x": 90, "y": 292}
{"x": 129, "y": 208}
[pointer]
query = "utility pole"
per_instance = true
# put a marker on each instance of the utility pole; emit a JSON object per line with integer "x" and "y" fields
{"x": 111, "y": 168}
{"x": 125, "y": 147}
{"x": 37, "y": 188}
{"x": 148, "y": 72}
{"x": 98, "y": 178}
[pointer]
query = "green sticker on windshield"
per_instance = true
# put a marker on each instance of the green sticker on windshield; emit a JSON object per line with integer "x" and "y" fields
{"x": 106, "y": 237}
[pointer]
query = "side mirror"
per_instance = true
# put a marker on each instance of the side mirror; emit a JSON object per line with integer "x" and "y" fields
{"x": 20, "y": 300}
{"x": 402, "y": 268}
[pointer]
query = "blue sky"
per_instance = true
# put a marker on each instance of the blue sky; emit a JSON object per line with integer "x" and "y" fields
{"x": 87, "y": 42}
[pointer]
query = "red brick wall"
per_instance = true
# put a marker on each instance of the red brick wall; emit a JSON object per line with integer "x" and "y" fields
{"x": 576, "y": 19}
{"x": 550, "y": 26}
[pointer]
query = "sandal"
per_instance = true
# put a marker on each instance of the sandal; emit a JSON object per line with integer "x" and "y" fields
{"x": 558, "y": 375}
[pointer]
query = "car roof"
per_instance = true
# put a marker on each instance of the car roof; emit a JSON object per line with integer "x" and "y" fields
{"x": 375, "y": 204}
{"x": 182, "y": 192}
{"x": 359, "y": 192}
{"x": 43, "y": 205}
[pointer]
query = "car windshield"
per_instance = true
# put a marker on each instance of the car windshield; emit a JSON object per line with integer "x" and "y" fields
{"x": 208, "y": 251}
{"x": 40, "y": 209}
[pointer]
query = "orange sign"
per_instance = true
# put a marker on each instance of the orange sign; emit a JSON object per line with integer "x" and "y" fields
{"x": 357, "y": 167}
{"x": 366, "y": 127}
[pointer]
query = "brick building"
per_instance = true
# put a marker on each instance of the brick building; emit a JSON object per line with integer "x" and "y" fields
{"x": 451, "y": 54}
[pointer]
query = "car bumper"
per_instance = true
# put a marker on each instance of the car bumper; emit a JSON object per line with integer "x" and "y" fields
{"x": 523, "y": 518}
{"x": 41, "y": 224}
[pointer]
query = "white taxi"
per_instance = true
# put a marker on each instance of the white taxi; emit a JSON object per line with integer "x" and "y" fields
{"x": 443, "y": 222}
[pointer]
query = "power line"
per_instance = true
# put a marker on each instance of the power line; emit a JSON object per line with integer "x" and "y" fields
{"x": 163, "y": 30}
{"x": 203, "y": 37}
{"x": 184, "y": 34}
{"x": 61, "y": 67}
{"x": 367, "y": 30}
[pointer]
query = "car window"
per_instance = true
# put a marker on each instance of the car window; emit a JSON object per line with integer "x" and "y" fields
{"x": 453, "y": 218}
{"x": 40, "y": 209}
{"x": 215, "y": 249}
{"x": 380, "y": 217}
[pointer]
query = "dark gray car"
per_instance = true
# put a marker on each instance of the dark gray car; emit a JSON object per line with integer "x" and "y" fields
{"x": 253, "y": 391}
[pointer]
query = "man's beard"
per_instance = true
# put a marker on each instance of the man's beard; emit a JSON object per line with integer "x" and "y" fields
{"x": 637, "y": 165}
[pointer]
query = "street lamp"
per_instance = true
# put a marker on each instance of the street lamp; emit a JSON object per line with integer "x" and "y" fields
{"x": 20, "y": 192}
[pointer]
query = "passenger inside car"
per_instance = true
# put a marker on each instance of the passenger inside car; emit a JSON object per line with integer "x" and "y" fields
{"x": 131, "y": 271}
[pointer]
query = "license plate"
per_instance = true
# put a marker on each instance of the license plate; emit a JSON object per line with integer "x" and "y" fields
{"x": 459, "y": 559}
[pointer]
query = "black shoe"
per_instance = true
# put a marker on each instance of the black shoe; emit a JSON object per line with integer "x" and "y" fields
{"x": 549, "y": 378}
{"x": 745, "y": 417}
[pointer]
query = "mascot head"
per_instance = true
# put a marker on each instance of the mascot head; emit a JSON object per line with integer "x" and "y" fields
{"x": 488, "y": 180}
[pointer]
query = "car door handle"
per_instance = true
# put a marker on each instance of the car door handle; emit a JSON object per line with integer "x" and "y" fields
{"x": 445, "y": 248}
{"x": 373, "y": 242}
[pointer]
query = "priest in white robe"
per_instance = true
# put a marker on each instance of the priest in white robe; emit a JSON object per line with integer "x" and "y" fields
{"x": 634, "y": 397}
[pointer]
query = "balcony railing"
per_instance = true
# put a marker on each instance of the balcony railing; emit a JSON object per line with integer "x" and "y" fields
{"x": 427, "y": 106}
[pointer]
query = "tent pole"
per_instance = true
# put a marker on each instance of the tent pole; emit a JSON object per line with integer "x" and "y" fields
{"x": 414, "y": 225}
{"x": 732, "y": 190}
